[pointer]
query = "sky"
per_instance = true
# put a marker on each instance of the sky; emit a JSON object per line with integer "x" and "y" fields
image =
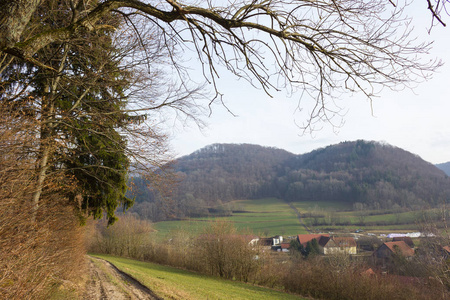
{"x": 417, "y": 121}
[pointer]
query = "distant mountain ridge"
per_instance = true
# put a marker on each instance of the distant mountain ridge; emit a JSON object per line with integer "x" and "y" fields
{"x": 444, "y": 167}
{"x": 373, "y": 174}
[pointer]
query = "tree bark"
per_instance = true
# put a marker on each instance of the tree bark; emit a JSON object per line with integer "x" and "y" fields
{"x": 47, "y": 135}
{"x": 14, "y": 17}
{"x": 43, "y": 168}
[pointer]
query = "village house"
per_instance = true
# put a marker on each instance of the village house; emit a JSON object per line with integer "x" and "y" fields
{"x": 386, "y": 252}
{"x": 285, "y": 247}
{"x": 273, "y": 243}
{"x": 322, "y": 239}
{"x": 329, "y": 245}
{"x": 265, "y": 243}
{"x": 406, "y": 239}
{"x": 344, "y": 245}
{"x": 277, "y": 240}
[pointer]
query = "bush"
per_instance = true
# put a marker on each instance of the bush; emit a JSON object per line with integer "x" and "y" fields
{"x": 227, "y": 254}
{"x": 318, "y": 279}
{"x": 129, "y": 237}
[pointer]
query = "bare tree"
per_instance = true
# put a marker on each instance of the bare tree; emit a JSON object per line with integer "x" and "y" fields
{"x": 439, "y": 11}
{"x": 320, "y": 47}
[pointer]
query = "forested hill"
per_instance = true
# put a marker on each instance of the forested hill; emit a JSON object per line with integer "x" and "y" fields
{"x": 374, "y": 174}
{"x": 230, "y": 171}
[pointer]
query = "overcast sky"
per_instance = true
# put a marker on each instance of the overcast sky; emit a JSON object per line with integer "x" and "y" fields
{"x": 417, "y": 121}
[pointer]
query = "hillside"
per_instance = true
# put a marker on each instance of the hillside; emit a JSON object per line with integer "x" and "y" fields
{"x": 366, "y": 174}
{"x": 229, "y": 171}
{"x": 374, "y": 174}
{"x": 444, "y": 167}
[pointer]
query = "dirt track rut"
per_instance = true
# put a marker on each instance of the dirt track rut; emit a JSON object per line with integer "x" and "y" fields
{"x": 107, "y": 282}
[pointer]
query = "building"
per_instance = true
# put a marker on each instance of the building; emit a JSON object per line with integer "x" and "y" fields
{"x": 329, "y": 245}
{"x": 406, "y": 239}
{"x": 345, "y": 245}
{"x": 322, "y": 239}
{"x": 386, "y": 252}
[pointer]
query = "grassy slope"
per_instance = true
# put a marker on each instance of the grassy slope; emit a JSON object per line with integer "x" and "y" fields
{"x": 172, "y": 283}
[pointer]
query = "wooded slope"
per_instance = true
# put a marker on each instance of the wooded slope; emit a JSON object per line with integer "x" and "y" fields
{"x": 371, "y": 174}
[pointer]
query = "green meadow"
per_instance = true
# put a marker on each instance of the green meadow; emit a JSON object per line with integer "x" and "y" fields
{"x": 341, "y": 217}
{"x": 271, "y": 216}
{"x": 263, "y": 217}
{"x": 172, "y": 283}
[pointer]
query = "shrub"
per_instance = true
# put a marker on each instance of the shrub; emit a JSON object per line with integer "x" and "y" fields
{"x": 129, "y": 237}
{"x": 227, "y": 254}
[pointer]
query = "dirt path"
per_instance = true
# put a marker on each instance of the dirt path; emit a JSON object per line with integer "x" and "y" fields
{"x": 108, "y": 282}
{"x": 299, "y": 216}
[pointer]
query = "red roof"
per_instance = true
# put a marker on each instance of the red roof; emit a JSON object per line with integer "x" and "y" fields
{"x": 368, "y": 272}
{"x": 401, "y": 246}
{"x": 322, "y": 239}
{"x": 406, "y": 239}
{"x": 285, "y": 245}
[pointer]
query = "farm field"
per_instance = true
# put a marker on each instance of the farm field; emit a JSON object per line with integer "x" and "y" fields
{"x": 172, "y": 283}
{"x": 271, "y": 216}
{"x": 341, "y": 218}
{"x": 263, "y": 217}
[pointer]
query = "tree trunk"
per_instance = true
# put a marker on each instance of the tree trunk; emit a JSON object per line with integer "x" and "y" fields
{"x": 47, "y": 111}
{"x": 43, "y": 168}
{"x": 14, "y": 17}
{"x": 47, "y": 134}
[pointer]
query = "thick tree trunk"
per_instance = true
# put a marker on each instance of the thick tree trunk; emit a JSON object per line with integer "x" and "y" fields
{"x": 14, "y": 17}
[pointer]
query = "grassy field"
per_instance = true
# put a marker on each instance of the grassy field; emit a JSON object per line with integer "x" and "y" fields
{"x": 263, "y": 217}
{"x": 327, "y": 206}
{"x": 271, "y": 216}
{"x": 172, "y": 283}
{"x": 372, "y": 220}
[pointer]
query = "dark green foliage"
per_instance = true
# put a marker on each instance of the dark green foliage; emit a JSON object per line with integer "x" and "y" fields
{"x": 98, "y": 159}
{"x": 311, "y": 249}
{"x": 294, "y": 245}
{"x": 101, "y": 171}
{"x": 80, "y": 111}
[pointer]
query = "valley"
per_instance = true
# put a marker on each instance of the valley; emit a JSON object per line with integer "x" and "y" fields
{"x": 272, "y": 216}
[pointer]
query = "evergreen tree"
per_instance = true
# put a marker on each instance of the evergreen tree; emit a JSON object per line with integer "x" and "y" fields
{"x": 82, "y": 112}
